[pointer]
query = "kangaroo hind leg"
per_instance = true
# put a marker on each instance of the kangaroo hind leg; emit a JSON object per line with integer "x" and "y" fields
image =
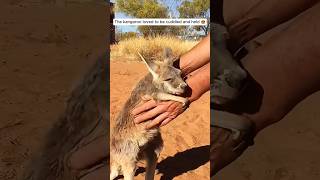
{"x": 151, "y": 158}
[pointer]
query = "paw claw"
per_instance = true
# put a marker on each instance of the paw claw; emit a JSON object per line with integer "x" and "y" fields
{"x": 146, "y": 97}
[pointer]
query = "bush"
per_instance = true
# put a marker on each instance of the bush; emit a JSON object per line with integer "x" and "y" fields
{"x": 149, "y": 47}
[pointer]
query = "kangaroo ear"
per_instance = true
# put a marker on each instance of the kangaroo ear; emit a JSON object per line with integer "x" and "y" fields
{"x": 152, "y": 67}
{"x": 168, "y": 56}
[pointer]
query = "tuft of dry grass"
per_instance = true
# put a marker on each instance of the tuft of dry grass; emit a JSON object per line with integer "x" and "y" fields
{"x": 149, "y": 47}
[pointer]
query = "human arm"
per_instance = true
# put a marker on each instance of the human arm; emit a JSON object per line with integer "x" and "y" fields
{"x": 265, "y": 15}
{"x": 197, "y": 57}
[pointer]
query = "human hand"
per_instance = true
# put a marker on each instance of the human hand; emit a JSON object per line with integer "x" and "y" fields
{"x": 161, "y": 113}
{"x": 246, "y": 29}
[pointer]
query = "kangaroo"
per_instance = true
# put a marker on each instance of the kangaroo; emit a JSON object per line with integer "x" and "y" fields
{"x": 228, "y": 75}
{"x": 131, "y": 142}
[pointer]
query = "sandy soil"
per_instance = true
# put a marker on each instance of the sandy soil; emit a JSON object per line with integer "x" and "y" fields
{"x": 43, "y": 51}
{"x": 186, "y": 139}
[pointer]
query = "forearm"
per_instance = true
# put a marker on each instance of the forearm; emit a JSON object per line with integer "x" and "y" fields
{"x": 199, "y": 82}
{"x": 274, "y": 12}
{"x": 198, "y": 56}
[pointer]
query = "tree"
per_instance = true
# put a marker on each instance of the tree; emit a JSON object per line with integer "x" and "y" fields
{"x": 196, "y": 9}
{"x": 155, "y": 9}
{"x": 120, "y": 36}
{"x": 144, "y": 9}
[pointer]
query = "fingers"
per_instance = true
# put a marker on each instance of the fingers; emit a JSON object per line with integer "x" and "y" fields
{"x": 246, "y": 29}
{"x": 164, "y": 111}
{"x": 157, "y": 120}
{"x": 239, "y": 34}
{"x": 239, "y": 26}
{"x": 150, "y": 114}
{"x": 144, "y": 107}
{"x": 166, "y": 121}
{"x": 242, "y": 31}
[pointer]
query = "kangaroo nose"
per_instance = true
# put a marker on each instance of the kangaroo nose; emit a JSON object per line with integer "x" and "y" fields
{"x": 183, "y": 86}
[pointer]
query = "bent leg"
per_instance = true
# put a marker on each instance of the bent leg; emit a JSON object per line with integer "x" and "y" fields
{"x": 151, "y": 158}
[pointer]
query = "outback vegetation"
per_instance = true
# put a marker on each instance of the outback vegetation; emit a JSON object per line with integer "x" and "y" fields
{"x": 149, "y": 46}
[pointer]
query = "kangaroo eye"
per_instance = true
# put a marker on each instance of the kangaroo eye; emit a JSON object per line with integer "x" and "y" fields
{"x": 168, "y": 79}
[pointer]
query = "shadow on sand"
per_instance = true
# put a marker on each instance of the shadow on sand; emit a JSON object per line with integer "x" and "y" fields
{"x": 181, "y": 162}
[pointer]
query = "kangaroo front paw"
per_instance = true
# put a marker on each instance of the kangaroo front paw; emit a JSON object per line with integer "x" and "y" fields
{"x": 185, "y": 103}
{"x": 146, "y": 97}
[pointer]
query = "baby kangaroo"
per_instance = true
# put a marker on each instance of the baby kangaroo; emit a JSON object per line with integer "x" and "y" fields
{"x": 228, "y": 76}
{"x": 131, "y": 142}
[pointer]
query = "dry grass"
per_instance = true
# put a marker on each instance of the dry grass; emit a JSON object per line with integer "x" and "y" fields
{"x": 149, "y": 47}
